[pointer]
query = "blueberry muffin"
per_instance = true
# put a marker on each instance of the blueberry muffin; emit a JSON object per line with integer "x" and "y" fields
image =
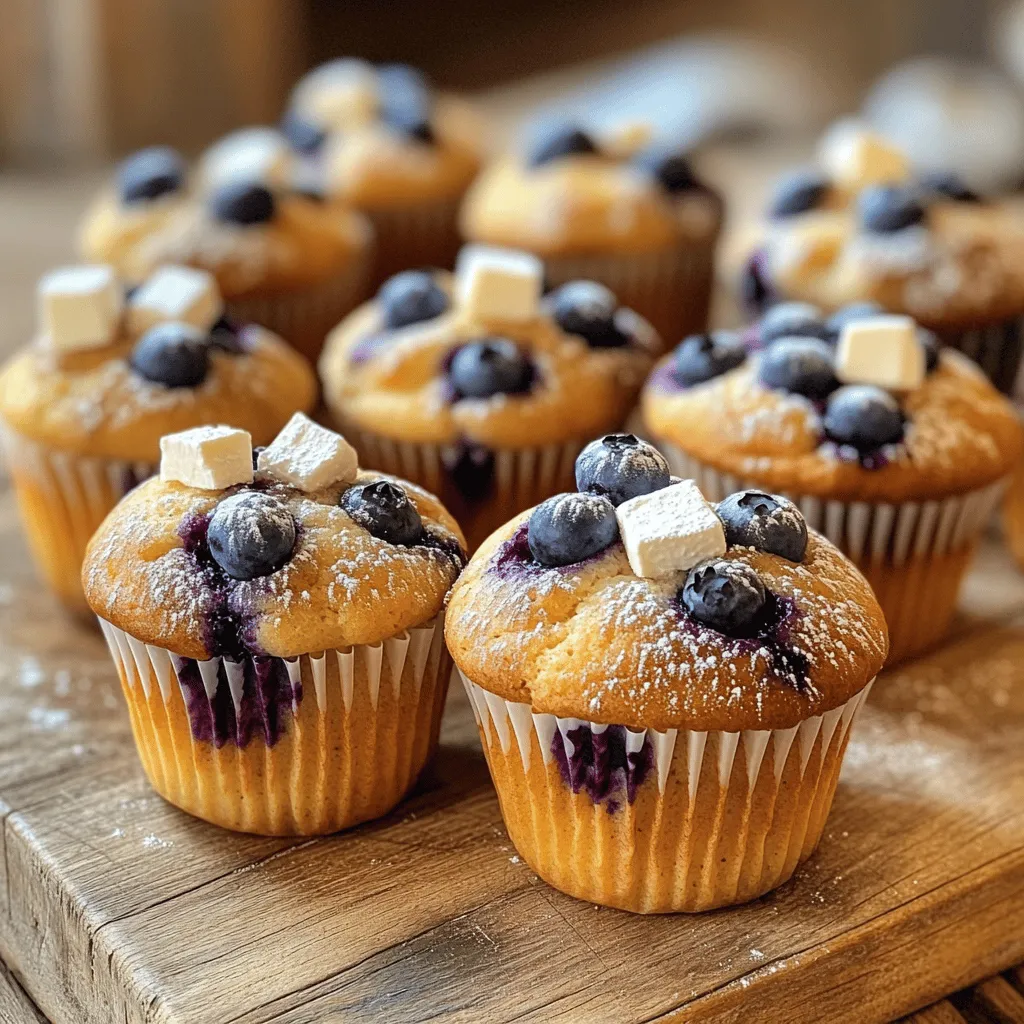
{"x": 896, "y": 449}
{"x": 626, "y": 212}
{"x": 477, "y": 388}
{"x": 277, "y": 629}
{"x": 385, "y": 144}
{"x": 664, "y": 688}
{"x": 862, "y": 227}
{"x": 282, "y": 257}
{"x": 83, "y": 406}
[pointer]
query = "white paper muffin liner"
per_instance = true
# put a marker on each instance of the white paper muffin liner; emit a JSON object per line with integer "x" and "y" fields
{"x": 410, "y": 237}
{"x": 362, "y": 723}
{"x": 997, "y": 349}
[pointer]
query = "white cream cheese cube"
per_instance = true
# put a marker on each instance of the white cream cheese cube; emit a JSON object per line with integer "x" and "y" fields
{"x": 210, "y": 458}
{"x": 881, "y": 350}
{"x": 498, "y": 284}
{"x": 856, "y": 157}
{"x": 670, "y": 530}
{"x": 308, "y": 456}
{"x": 176, "y": 293}
{"x": 258, "y": 154}
{"x": 80, "y": 307}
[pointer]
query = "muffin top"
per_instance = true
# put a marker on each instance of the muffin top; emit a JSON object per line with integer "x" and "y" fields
{"x": 481, "y": 357}
{"x": 381, "y": 137}
{"x": 569, "y": 194}
{"x": 106, "y": 376}
{"x": 637, "y": 603}
{"x": 306, "y": 553}
{"x": 861, "y": 406}
{"x": 861, "y": 227}
{"x": 250, "y": 213}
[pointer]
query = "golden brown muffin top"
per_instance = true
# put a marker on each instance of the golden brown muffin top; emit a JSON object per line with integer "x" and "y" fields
{"x": 397, "y": 381}
{"x": 574, "y": 195}
{"x": 594, "y": 641}
{"x": 148, "y": 570}
{"x": 959, "y": 434}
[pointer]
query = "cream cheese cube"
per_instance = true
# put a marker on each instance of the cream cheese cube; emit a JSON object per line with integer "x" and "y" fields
{"x": 881, "y": 350}
{"x": 308, "y": 456}
{"x": 210, "y": 458}
{"x": 176, "y": 293}
{"x": 498, "y": 284}
{"x": 670, "y": 530}
{"x": 855, "y": 157}
{"x": 80, "y": 307}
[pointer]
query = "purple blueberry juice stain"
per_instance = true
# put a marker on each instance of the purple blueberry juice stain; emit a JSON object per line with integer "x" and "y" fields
{"x": 877, "y": 459}
{"x": 367, "y": 347}
{"x": 513, "y": 559}
{"x": 600, "y": 765}
{"x": 470, "y": 470}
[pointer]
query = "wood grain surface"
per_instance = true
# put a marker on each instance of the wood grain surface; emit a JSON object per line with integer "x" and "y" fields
{"x": 116, "y": 907}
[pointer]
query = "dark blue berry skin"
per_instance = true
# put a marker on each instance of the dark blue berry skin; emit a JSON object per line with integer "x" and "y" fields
{"x": 405, "y": 101}
{"x": 620, "y": 466}
{"x": 251, "y": 534}
{"x": 410, "y": 298}
{"x": 863, "y": 417}
{"x": 848, "y": 314}
{"x": 173, "y": 354}
{"x": 885, "y": 209}
{"x": 726, "y": 595}
{"x": 803, "y": 366}
{"x": 931, "y": 345}
{"x": 224, "y": 336}
{"x": 384, "y": 510}
{"x": 588, "y": 309}
{"x": 767, "y": 522}
{"x": 669, "y": 167}
{"x": 702, "y": 357}
{"x": 948, "y": 185}
{"x": 243, "y": 202}
{"x": 570, "y": 527}
{"x": 492, "y": 367}
{"x": 756, "y": 290}
{"x": 149, "y": 174}
{"x": 555, "y": 141}
{"x": 791, "y": 320}
{"x": 304, "y": 136}
{"x": 797, "y": 193}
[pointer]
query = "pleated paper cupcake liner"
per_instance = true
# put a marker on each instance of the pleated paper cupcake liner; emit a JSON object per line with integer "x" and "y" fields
{"x": 671, "y": 288}
{"x": 410, "y": 237}
{"x": 997, "y": 349}
{"x": 661, "y": 821}
{"x": 275, "y": 746}
{"x": 1013, "y": 515}
{"x": 63, "y": 498}
{"x": 516, "y": 479}
{"x": 304, "y": 316}
{"x": 913, "y": 554}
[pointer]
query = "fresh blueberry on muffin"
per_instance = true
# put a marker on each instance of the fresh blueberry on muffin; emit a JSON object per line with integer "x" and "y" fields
{"x": 620, "y": 467}
{"x": 150, "y": 173}
{"x": 702, "y": 357}
{"x": 799, "y": 192}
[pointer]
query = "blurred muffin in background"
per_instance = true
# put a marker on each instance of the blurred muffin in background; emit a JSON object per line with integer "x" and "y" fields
{"x": 248, "y": 214}
{"x": 626, "y": 211}
{"x": 385, "y": 143}
{"x": 861, "y": 226}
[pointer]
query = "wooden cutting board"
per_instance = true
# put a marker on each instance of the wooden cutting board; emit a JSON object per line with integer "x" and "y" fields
{"x": 114, "y": 906}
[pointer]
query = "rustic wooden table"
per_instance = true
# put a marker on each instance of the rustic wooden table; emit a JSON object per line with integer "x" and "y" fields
{"x": 115, "y": 906}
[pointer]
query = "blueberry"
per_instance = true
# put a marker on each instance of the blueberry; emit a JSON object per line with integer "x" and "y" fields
{"x": 931, "y": 345}
{"x": 384, "y": 509}
{"x": 552, "y": 141}
{"x": 767, "y": 522}
{"x": 492, "y": 367}
{"x": 801, "y": 365}
{"x": 405, "y": 101}
{"x": 570, "y": 527}
{"x": 224, "y": 336}
{"x": 620, "y": 466}
{"x": 304, "y": 136}
{"x": 251, "y": 534}
{"x": 410, "y": 298}
{"x": 173, "y": 354}
{"x": 669, "y": 167}
{"x": 243, "y": 202}
{"x": 702, "y": 357}
{"x": 588, "y": 309}
{"x": 798, "y": 192}
{"x": 792, "y": 319}
{"x": 755, "y": 286}
{"x": 150, "y": 173}
{"x": 884, "y": 209}
{"x": 848, "y": 314}
{"x": 864, "y": 417}
{"x": 948, "y": 185}
{"x": 726, "y": 595}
